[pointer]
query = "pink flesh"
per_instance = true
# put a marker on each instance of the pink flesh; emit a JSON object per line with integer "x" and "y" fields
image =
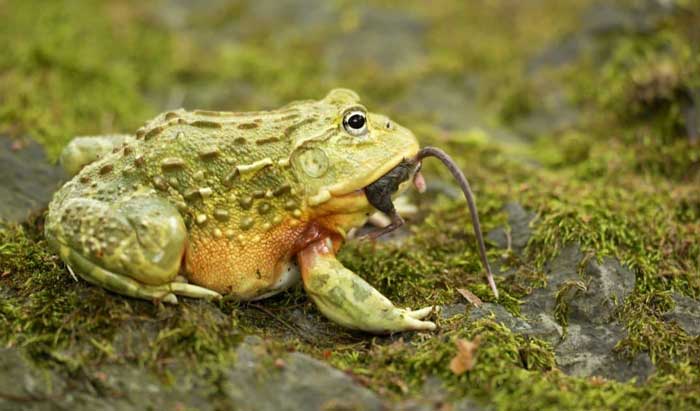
{"x": 419, "y": 182}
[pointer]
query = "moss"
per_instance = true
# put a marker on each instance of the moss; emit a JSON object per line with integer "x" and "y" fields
{"x": 564, "y": 294}
{"x": 62, "y": 77}
{"x": 649, "y": 78}
{"x": 645, "y": 94}
{"x": 56, "y": 319}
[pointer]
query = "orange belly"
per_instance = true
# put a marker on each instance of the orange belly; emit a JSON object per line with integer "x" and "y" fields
{"x": 246, "y": 267}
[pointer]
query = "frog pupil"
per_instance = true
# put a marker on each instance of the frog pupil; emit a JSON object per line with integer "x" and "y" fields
{"x": 356, "y": 121}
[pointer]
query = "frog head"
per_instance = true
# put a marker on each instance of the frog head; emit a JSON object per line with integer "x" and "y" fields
{"x": 340, "y": 148}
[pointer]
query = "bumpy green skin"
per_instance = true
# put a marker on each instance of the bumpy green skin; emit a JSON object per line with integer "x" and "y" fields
{"x": 349, "y": 300}
{"x": 206, "y": 203}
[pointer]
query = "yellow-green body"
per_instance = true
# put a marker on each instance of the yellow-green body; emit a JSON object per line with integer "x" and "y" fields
{"x": 202, "y": 203}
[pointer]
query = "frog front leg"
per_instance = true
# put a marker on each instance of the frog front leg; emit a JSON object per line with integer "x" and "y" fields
{"x": 350, "y": 301}
{"x": 83, "y": 150}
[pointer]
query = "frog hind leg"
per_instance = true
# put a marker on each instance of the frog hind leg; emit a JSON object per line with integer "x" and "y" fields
{"x": 347, "y": 299}
{"x": 133, "y": 247}
{"x": 83, "y": 150}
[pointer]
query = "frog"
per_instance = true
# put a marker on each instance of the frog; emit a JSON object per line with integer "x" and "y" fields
{"x": 205, "y": 204}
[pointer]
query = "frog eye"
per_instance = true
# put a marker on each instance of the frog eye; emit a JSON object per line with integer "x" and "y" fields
{"x": 355, "y": 122}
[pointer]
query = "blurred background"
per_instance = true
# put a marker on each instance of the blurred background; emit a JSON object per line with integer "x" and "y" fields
{"x": 515, "y": 70}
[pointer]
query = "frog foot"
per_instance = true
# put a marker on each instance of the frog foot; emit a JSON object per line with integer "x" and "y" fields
{"x": 82, "y": 151}
{"x": 345, "y": 298}
{"x": 117, "y": 283}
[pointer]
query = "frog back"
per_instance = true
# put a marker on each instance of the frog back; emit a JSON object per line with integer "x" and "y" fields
{"x": 230, "y": 177}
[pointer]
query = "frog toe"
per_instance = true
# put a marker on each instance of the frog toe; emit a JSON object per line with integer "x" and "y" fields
{"x": 84, "y": 150}
{"x": 170, "y": 299}
{"x": 413, "y": 324}
{"x": 194, "y": 291}
{"x": 423, "y": 312}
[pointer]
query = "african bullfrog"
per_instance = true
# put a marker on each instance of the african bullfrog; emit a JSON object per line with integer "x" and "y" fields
{"x": 204, "y": 203}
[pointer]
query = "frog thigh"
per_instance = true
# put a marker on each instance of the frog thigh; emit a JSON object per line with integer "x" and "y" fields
{"x": 82, "y": 151}
{"x": 133, "y": 247}
{"x": 350, "y": 301}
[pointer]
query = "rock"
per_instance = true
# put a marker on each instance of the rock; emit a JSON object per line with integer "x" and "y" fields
{"x": 551, "y": 110}
{"x": 686, "y": 313}
{"x": 449, "y": 104}
{"x": 520, "y": 232}
{"x": 619, "y": 368}
{"x": 112, "y": 388}
{"x": 586, "y": 346}
{"x": 293, "y": 382}
{"x": 449, "y": 311}
{"x": 587, "y": 350}
{"x": 563, "y": 268}
{"x": 23, "y": 386}
{"x": 434, "y": 396}
{"x": 500, "y": 315}
{"x": 123, "y": 388}
{"x": 28, "y": 180}
{"x": 445, "y": 104}
{"x": 608, "y": 284}
{"x": 544, "y": 326}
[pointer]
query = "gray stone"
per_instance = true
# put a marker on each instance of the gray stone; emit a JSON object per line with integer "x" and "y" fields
{"x": 545, "y": 327}
{"x": 539, "y": 305}
{"x": 551, "y": 109}
{"x": 113, "y": 387}
{"x": 588, "y": 350}
{"x": 28, "y": 180}
{"x": 435, "y": 396}
{"x": 24, "y": 386}
{"x": 445, "y": 104}
{"x": 587, "y": 346}
{"x": 520, "y": 232}
{"x": 608, "y": 283}
{"x": 449, "y": 311}
{"x": 500, "y": 315}
{"x": 564, "y": 267}
{"x": 449, "y": 104}
{"x": 686, "y": 313}
{"x": 294, "y": 382}
{"x": 123, "y": 388}
{"x": 618, "y": 368}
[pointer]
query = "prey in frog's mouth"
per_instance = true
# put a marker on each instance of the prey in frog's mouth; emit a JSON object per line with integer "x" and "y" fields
{"x": 379, "y": 196}
{"x": 379, "y": 192}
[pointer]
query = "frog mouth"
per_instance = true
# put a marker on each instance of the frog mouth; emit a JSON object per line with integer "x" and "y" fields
{"x": 379, "y": 193}
{"x": 358, "y": 185}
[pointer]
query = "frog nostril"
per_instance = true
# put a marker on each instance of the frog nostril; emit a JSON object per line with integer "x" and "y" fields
{"x": 388, "y": 125}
